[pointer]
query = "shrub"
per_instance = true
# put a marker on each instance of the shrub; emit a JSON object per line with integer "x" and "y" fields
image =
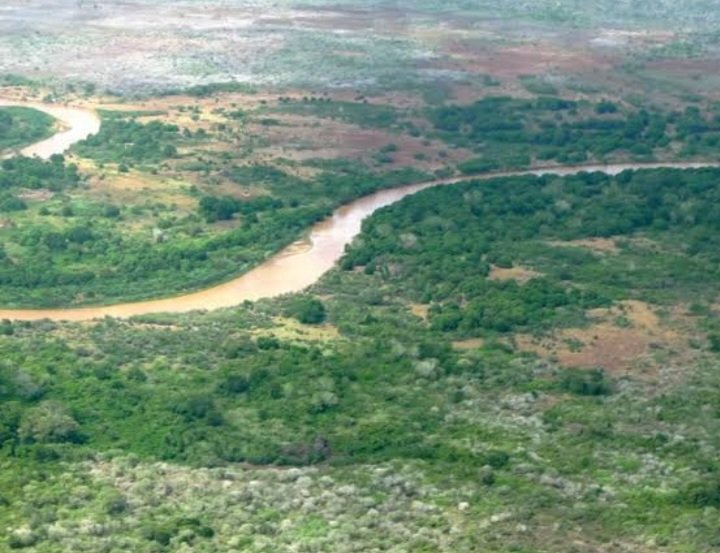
{"x": 586, "y": 382}
{"x": 235, "y": 384}
{"x": 22, "y": 538}
{"x": 12, "y": 203}
{"x": 496, "y": 459}
{"x": 267, "y": 342}
{"x": 111, "y": 211}
{"x": 714, "y": 342}
{"x": 704, "y": 493}
{"x": 308, "y": 311}
{"x": 200, "y": 407}
{"x": 116, "y": 505}
{"x": 49, "y": 422}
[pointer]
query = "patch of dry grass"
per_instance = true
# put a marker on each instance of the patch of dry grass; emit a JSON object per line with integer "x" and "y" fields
{"x": 597, "y": 245}
{"x": 623, "y": 340}
{"x": 290, "y": 330}
{"x": 519, "y": 274}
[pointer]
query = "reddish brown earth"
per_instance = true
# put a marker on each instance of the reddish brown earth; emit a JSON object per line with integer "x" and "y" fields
{"x": 622, "y": 341}
{"x": 523, "y": 59}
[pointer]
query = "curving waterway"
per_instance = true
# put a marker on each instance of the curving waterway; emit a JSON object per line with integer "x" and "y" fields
{"x": 292, "y": 269}
{"x": 77, "y": 125}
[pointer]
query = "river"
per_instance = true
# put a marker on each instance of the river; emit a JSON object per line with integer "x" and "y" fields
{"x": 291, "y": 270}
{"x": 77, "y": 125}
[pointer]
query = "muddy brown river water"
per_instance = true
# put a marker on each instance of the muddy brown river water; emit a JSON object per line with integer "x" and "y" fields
{"x": 77, "y": 125}
{"x": 291, "y": 270}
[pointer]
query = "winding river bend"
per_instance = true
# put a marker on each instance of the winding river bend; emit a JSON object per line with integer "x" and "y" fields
{"x": 291, "y": 270}
{"x": 77, "y": 125}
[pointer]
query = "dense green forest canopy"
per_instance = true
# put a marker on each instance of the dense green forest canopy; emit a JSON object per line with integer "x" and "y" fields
{"x": 20, "y": 126}
{"x": 512, "y": 133}
{"x": 32, "y": 173}
{"x": 437, "y": 247}
{"x": 125, "y": 140}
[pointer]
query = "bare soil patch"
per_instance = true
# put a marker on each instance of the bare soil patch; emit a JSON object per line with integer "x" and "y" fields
{"x": 518, "y": 274}
{"x": 465, "y": 345}
{"x": 36, "y": 195}
{"x": 420, "y": 310}
{"x": 304, "y": 138}
{"x": 685, "y": 67}
{"x": 597, "y": 245}
{"x": 536, "y": 58}
{"x": 136, "y": 188}
{"x": 622, "y": 340}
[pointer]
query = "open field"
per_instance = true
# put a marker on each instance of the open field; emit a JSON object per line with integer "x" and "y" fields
{"x": 374, "y": 47}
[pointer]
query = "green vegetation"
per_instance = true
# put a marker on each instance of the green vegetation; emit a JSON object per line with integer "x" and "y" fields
{"x": 31, "y": 173}
{"x": 437, "y": 246}
{"x": 395, "y": 436}
{"x": 129, "y": 142}
{"x": 94, "y": 250}
{"x": 71, "y": 246}
{"x": 308, "y": 311}
{"x": 363, "y": 114}
{"x": 12, "y": 79}
{"x": 517, "y": 365}
{"x": 68, "y": 259}
{"x": 210, "y": 89}
{"x": 86, "y": 256}
{"x": 510, "y": 133}
{"x": 21, "y": 126}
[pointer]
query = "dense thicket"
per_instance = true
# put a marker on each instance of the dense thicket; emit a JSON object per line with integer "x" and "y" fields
{"x": 20, "y": 173}
{"x": 438, "y": 246}
{"x": 127, "y": 141}
{"x": 33, "y": 173}
{"x": 21, "y": 126}
{"x": 511, "y": 133}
